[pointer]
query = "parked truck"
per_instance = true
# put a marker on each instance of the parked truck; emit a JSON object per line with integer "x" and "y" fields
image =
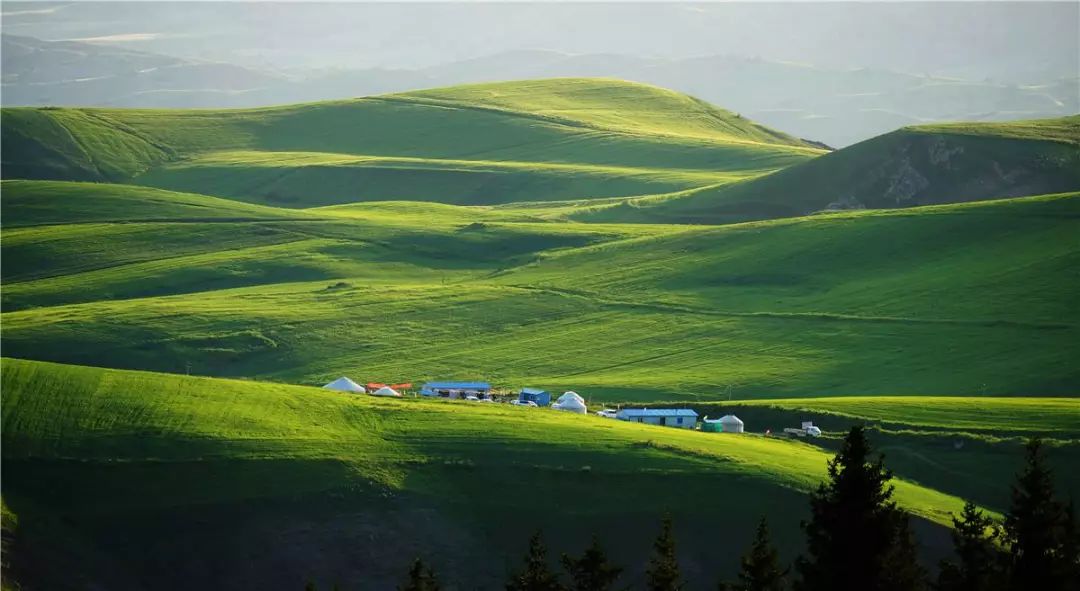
{"x": 807, "y": 428}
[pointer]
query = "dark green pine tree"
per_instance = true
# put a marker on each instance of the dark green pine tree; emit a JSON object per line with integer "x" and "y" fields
{"x": 1070, "y": 550}
{"x": 1035, "y": 527}
{"x": 592, "y": 571}
{"x": 976, "y": 567}
{"x": 855, "y": 535}
{"x": 663, "y": 571}
{"x": 421, "y": 578}
{"x": 535, "y": 575}
{"x": 902, "y": 569}
{"x": 760, "y": 569}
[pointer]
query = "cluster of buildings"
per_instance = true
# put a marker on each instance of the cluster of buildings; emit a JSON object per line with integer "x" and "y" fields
{"x": 683, "y": 418}
{"x": 344, "y": 384}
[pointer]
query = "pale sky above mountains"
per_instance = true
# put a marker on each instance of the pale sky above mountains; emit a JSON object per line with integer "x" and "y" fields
{"x": 1011, "y": 41}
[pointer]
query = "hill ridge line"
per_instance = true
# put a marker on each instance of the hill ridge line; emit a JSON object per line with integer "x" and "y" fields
{"x": 578, "y": 124}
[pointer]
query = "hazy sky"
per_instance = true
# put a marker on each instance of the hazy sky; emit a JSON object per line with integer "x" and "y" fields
{"x": 1019, "y": 41}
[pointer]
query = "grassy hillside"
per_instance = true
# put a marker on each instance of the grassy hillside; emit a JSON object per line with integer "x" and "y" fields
{"x": 37, "y": 203}
{"x": 312, "y": 483}
{"x": 74, "y": 145}
{"x": 72, "y": 242}
{"x": 842, "y": 304}
{"x": 305, "y": 179}
{"x": 965, "y": 445}
{"x": 524, "y": 141}
{"x": 914, "y": 166}
{"x": 608, "y": 104}
{"x": 435, "y": 235}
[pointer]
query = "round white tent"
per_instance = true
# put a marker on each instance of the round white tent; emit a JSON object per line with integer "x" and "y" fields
{"x": 386, "y": 391}
{"x": 571, "y": 402}
{"x": 731, "y": 424}
{"x": 344, "y": 384}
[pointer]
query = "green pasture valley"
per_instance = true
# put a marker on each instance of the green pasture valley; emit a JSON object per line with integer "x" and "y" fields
{"x": 177, "y": 284}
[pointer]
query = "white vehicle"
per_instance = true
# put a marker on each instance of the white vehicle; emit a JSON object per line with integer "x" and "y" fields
{"x": 523, "y": 403}
{"x": 472, "y": 398}
{"x": 485, "y": 400}
{"x": 607, "y": 413}
{"x": 808, "y": 428}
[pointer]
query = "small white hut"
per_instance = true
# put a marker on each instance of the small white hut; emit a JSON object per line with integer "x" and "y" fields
{"x": 344, "y": 384}
{"x": 571, "y": 402}
{"x": 731, "y": 424}
{"x": 386, "y": 391}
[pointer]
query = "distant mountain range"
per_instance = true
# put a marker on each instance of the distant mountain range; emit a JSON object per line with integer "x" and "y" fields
{"x": 835, "y": 106}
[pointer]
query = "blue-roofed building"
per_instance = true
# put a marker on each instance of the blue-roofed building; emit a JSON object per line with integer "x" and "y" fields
{"x": 456, "y": 389}
{"x": 540, "y": 397}
{"x": 668, "y": 417}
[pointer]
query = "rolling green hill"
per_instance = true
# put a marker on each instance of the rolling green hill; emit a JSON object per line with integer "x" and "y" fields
{"x": 331, "y": 486}
{"x": 37, "y": 203}
{"x": 822, "y": 305}
{"x": 914, "y": 166}
{"x": 523, "y": 141}
{"x": 607, "y": 104}
{"x": 73, "y": 242}
{"x": 437, "y": 235}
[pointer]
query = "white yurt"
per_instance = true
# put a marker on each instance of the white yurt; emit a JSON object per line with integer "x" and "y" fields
{"x": 731, "y": 424}
{"x": 386, "y": 391}
{"x": 571, "y": 402}
{"x": 344, "y": 384}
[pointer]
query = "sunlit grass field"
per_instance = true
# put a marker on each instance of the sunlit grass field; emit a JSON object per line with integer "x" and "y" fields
{"x": 507, "y": 232}
{"x": 482, "y": 144}
{"x": 271, "y": 445}
{"x": 808, "y": 307}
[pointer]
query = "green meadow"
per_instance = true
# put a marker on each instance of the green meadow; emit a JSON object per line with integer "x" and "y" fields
{"x": 910, "y": 167}
{"x": 820, "y": 305}
{"x": 630, "y": 243}
{"x": 147, "y": 450}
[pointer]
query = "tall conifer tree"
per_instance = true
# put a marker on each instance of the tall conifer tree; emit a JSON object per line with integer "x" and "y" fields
{"x": 421, "y": 578}
{"x": 663, "y": 571}
{"x": 1035, "y": 528}
{"x": 592, "y": 571}
{"x": 535, "y": 575}
{"x": 855, "y": 534}
{"x": 760, "y": 566}
{"x": 976, "y": 567}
